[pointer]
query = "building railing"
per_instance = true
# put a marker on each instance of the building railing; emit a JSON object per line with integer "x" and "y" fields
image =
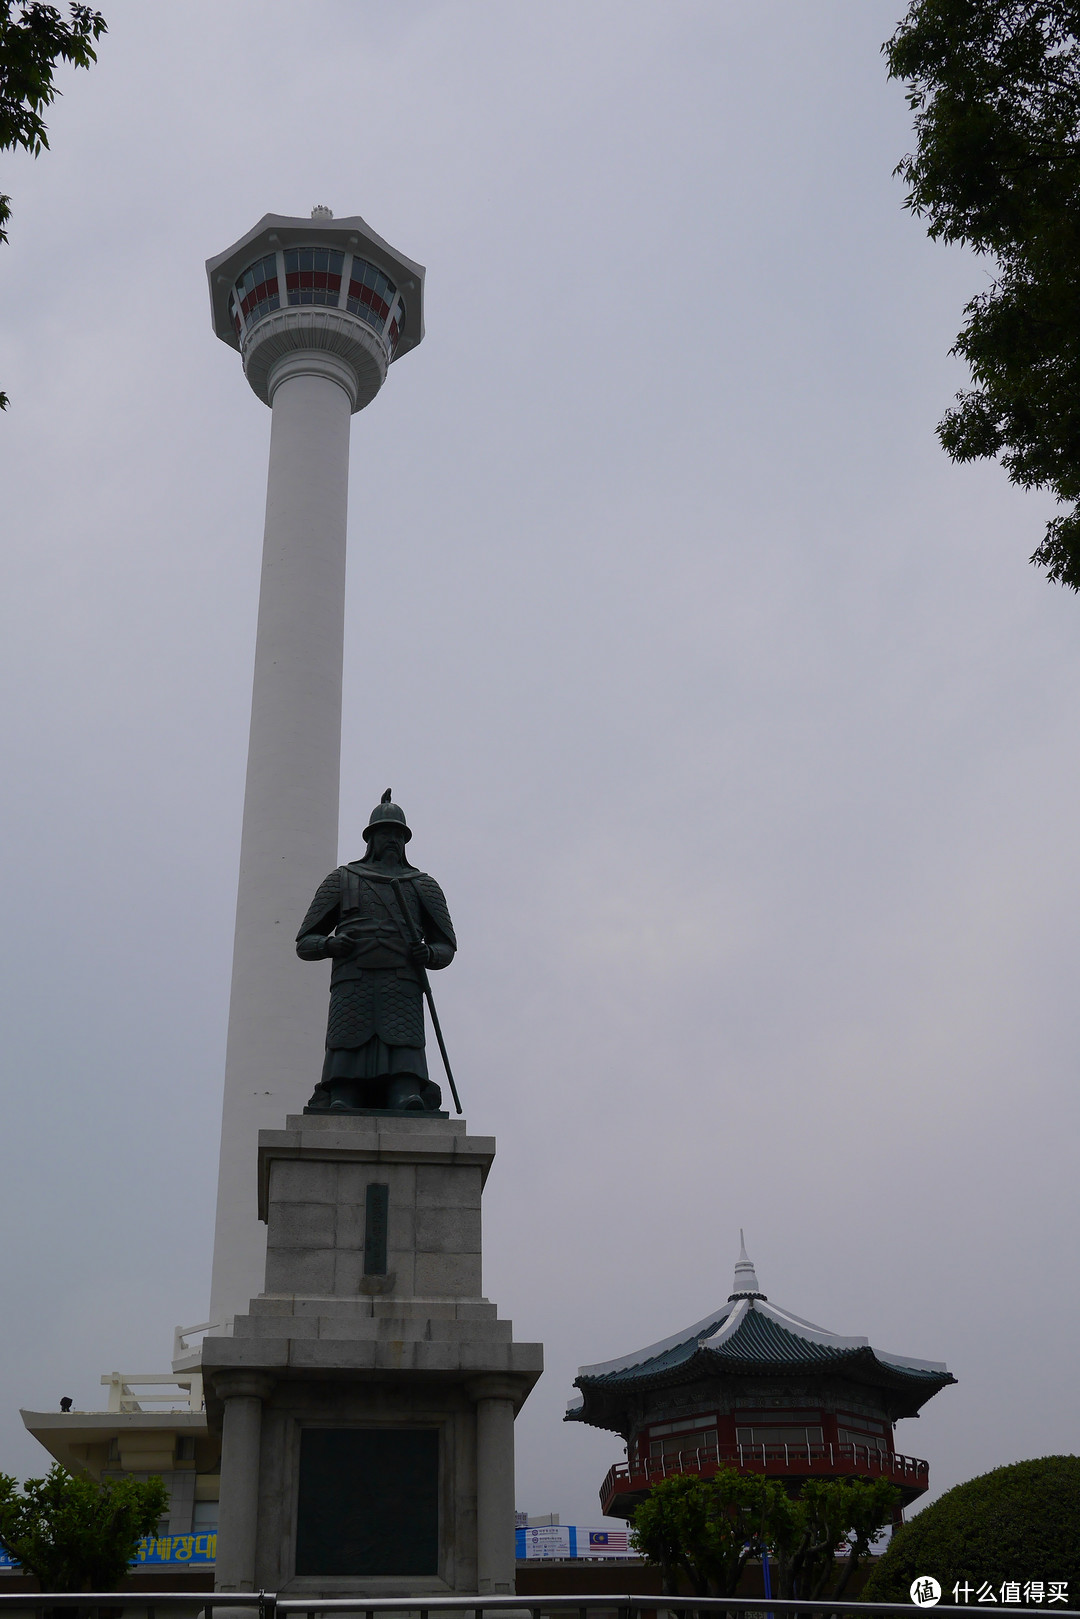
{"x": 186, "y": 1350}
{"x": 129, "y": 1391}
{"x": 270, "y": 1606}
{"x": 863, "y": 1460}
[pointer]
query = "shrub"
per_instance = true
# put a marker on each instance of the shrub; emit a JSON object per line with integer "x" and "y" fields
{"x": 1017, "y": 1523}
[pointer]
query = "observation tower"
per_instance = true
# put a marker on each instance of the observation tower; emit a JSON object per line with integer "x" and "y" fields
{"x": 349, "y": 1420}
{"x": 318, "y": 310}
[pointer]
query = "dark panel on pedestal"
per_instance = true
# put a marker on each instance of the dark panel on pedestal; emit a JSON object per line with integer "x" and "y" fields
{"x": 375, "y": 1221}
{"x": 369, "y": 1501}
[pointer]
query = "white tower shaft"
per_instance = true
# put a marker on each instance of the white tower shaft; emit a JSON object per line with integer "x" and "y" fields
{"x": 318, "y": 309}
{"x": 277, "y": 1011}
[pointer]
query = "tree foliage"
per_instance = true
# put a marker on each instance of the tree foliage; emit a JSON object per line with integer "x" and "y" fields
{"x": 707, "y": 1529}
{"x": 811, "y": 1530}
{"x": 75, "y": 1534}
{"x": 995, "y": 89}
{"x": 704, "y": 1529}
{"x": 31, "y": 45}
{"x": 1017, "y": 1523}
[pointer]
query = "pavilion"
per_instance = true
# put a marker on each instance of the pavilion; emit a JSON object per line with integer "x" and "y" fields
{"x": 754, "y": 1387}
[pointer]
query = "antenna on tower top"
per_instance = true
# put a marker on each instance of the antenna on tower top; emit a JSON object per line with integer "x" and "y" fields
{"x": 320, "y": 211}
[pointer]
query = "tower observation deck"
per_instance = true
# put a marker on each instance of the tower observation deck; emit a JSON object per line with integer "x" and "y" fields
{"x": 318, "y": 309}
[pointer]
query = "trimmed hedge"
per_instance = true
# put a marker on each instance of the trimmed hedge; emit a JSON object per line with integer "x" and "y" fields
{"x": 1016, "y": 1523}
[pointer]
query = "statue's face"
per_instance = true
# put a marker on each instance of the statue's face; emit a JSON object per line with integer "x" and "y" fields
{"x": 387, "y": 844}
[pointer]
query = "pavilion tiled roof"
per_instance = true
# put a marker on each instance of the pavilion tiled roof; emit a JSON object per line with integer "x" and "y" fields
{"x": 749, "y": 1336}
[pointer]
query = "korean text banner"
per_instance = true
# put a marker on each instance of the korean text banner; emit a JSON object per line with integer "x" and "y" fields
{"x": 175, "y": 1551}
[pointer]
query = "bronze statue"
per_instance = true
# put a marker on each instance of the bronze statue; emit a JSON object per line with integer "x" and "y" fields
{"x": 384, "y": 923}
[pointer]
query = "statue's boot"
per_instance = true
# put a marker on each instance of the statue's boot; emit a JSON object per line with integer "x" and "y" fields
{"x": 342, "y": 1095}
{"x": 404, "y": 1093}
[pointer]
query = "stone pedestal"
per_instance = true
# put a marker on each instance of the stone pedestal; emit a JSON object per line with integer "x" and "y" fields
{"x": 367, "y": 1400}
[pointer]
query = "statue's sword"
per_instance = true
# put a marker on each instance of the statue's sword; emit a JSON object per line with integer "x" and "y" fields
{"x": 414, "y": 938}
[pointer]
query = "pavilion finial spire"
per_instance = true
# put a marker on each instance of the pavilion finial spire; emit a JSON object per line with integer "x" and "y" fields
{"x": 745, "y": 1285}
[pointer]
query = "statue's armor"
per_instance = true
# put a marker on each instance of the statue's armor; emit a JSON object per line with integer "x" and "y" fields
{"x": 376, "y": 994}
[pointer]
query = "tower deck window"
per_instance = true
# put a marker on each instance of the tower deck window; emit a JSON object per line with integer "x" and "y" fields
{"x": 313, "y": 275}
{"x": 319, "y": 275}
{"x": 371, "y": 296}
{"x": 256, "y": 292}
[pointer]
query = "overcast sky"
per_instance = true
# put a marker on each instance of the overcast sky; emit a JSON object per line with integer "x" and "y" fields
{"x": 737, "y": 728}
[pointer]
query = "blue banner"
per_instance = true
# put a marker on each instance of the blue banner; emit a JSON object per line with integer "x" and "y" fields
{"x": 172, "y": 1551}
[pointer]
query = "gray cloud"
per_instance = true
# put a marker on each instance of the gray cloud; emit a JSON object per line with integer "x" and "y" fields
{"x": 729, "y": 715}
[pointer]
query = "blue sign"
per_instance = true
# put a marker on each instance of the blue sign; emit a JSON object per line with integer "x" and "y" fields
{"x": 172, "y": 1551}
{"x": 177, "y": 1550}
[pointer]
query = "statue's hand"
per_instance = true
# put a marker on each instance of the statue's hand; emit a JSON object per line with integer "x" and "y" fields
{"x": 420, "y": 954}
{"x": 338, "y": 946}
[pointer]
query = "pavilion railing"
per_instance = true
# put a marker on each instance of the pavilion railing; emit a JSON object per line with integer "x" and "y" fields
{"x": 863, "y": 1460}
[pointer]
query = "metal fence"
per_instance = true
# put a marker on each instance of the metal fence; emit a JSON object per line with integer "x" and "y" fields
{"x": 268, "y": 1605}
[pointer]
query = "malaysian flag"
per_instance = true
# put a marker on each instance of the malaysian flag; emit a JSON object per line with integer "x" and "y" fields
{"x": 612, "y": 1540}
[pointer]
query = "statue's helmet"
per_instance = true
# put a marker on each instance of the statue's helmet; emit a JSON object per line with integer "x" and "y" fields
{"x": 391, "y": 816}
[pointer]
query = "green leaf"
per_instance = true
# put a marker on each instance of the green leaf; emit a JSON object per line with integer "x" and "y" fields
{"x": 995, "y": 89}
